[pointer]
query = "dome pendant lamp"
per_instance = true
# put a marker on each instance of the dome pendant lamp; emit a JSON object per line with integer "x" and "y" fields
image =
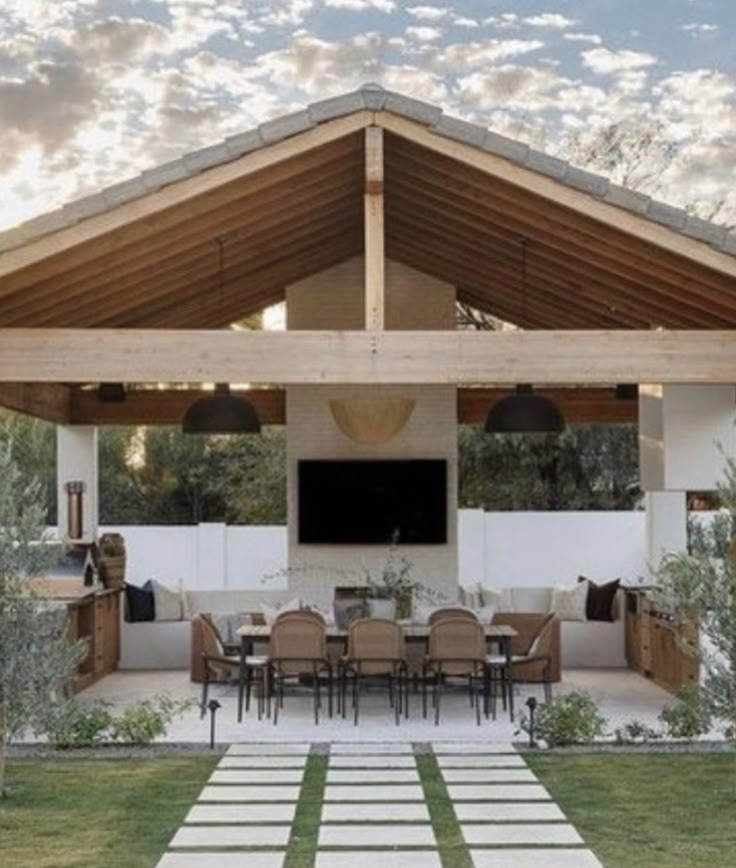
{"x": 221, "y": 413}
{"x": 524, "y": 412}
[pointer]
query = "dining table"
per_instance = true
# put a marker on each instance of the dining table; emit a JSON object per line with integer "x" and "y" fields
{"x": 499, "y": 634}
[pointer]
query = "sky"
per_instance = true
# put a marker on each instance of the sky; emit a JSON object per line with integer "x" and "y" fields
{"x": 94, "y": 91}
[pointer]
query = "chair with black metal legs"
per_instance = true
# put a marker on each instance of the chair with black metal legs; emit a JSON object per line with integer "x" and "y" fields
{"x": 216, "y": 663}
{"x": 376, "y": 649}
{"x": 456, "y": 649}
{"x": 298, "y": 648}
{"x": 500, "y": 668}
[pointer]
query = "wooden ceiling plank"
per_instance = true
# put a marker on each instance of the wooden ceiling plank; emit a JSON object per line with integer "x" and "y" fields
{"x": 535, "y": 283}
{"x": 582, "y": 316}
{"x": 197, "y": 274}
{"x": 165, "y": 208}
{"x": 324, "y": 253}
{"x": 578, "y": 237}
{"x": 578, "y": 406}
{"x": 626, "y": 223}
{"x": 620, "y": 292}
{"x": 144, "y": 265}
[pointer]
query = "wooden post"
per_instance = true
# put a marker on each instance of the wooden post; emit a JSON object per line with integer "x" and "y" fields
{"x": 375, "y": 272}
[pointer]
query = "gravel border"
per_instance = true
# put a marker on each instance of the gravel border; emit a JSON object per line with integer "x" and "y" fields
{"x": 671, "y": 747}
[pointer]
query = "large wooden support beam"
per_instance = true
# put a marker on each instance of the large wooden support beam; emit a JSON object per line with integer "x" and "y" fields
{"x": 375, "y": 257}
{"x": 416, "y": 357}
{"x": 578, "y": 406}
{"x": 49, "y": 401}
{"x": 165, "y": 406}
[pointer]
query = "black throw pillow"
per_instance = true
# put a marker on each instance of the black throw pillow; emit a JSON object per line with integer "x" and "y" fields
{"x": 599, "y": 602}
{"x": 140, "y": 602}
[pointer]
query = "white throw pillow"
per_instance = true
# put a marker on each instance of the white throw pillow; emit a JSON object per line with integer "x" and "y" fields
{"x": 167, "y": 603}
{"x": 227, "y": 624}
{"x": 271, "y": 613}
{"x": 569, "y": 603}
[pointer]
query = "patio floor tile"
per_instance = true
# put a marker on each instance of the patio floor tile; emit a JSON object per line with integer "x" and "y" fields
{"x": 371, "y": 858}
{"x": 500, "y": 811}
{"x": 521, "y": 833}
{"x": 474, "y": 760}
{"x": 390, "y": 761}
{"x": 540, "y": 857}
{"x": 472, "y": 747}
{"x": 374, "y": 747}
{"x": 373, "y": 835}
{"x": 372, "y": 776}
{"x": 497, "y": 792}
{"x": 221, "y": 860}
{"x": 270, "y": 749}
{"x": 263, "y": 793}
{"x": 489, "y": 776}
{"x": 231, "y": 836}
{"x": 371, "y": 793}
{"x": 262, "y": 762}
{"x": 378, "y": 812}
{"x": 262, "y": 813}
{"x": 257, "y": 776}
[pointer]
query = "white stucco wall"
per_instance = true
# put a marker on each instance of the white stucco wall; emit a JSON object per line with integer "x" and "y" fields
{"x": 519, "y": 549}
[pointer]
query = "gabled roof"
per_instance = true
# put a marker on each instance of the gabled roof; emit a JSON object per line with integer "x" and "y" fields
{"x": 219, "y": 233}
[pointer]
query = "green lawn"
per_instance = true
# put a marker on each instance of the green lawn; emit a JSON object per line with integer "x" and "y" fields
{"x": 634, "y": 811}
{"x": 92, "y": 813}
{"x": 647, "y": 810}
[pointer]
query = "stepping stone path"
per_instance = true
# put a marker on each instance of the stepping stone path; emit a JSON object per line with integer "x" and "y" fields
{"x": 369, "y": 808}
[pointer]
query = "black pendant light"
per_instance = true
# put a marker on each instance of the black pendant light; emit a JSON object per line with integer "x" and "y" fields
{"x": 221, "y": 413}
{"x": 524, "y": 412}
{"x": 111, "y": 393}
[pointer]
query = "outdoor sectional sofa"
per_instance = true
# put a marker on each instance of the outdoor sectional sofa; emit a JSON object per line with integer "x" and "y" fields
{"x": 172, "y": 645}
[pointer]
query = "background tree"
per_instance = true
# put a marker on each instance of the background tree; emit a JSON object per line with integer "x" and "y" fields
{"x": 699, "y": 587}
{"x": 33, "y": 443}
{"x": 36, "y": 658}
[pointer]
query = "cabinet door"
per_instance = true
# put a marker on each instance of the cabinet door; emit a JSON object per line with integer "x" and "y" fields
{"x": 111, "y": 642}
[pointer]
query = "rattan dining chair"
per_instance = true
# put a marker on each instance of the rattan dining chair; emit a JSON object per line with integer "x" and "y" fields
{"x": 376, "y": 649}
{"x": 451, "y": 612}
{"x": 456, "y": 648}
{"x": 539, "y": 654}
{"x": 298, "y": 647}
{"x": 216, "y": 663}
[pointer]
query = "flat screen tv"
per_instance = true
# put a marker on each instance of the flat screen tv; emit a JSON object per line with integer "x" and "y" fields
{"x": 373, "y": 502}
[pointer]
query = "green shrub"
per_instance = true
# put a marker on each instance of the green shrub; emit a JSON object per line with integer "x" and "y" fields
{"x": 634, "y": 731}
{"x": 691, "y": 716}
{"x": 145, "y": 721}
{"x": 568, "y": 719}
{"x": 78, "y": 724}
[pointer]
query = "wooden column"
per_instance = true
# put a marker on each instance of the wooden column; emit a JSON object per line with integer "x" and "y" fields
{"x": 375, "y": 272}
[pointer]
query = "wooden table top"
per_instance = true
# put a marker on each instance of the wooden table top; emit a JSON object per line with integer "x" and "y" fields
{"x": 411, "y": 631}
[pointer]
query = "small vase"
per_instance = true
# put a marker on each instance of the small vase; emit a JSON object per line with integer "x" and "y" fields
{"x": 382, "y": 607}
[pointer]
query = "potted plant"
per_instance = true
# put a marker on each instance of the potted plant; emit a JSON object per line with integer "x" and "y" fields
{"x": 390, "y": 594}
{"x": 111, "y": 549}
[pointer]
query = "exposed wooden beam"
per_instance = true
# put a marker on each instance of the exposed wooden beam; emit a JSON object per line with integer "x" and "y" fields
{"x": 375, "y": 257}
{"x": 441, "y": 357}
{"x": 49, "y": 401}
{"x": 165, "y": 406}
{"x": 578, "y": 406}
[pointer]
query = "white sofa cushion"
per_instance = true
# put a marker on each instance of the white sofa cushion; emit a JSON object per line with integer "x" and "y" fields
{"x": 568, "y": 604}
{"x": 155, "y": 645}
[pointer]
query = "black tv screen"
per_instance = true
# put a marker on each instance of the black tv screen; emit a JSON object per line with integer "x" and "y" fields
{"x": 373, "y": 502}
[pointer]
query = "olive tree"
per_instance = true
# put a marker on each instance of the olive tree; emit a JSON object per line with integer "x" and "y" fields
{"x": 36, "y": 658}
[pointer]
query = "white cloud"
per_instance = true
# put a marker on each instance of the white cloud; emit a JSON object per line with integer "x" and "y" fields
{"x": 511, "y": 87}
{"x": 551, "y": 19}
{"x": 592, "y": 38}
{"x": 461, "y": 21}
{"x": 428, "y": 13}
{"x": 505, "y": 21}
{"x": 602, "y": 61}
{"x": 387, "y": 6}
{"x": 699, "y": 28}
{"x": 467, "y": 55}
{"x": 423, "y": 34}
